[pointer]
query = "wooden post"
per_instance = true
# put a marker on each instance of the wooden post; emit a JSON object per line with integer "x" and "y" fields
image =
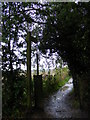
{"x": 29, "y": 81}
{"x": 38, "y": 89}
{"x": 37, "y": 65}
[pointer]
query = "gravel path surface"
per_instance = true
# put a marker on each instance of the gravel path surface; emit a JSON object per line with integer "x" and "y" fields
{"x": 59, "y": 105}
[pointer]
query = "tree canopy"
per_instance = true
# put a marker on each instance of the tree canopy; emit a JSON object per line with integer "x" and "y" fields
{"x": 67, "y": 32}
{"x": 58, "y": 27}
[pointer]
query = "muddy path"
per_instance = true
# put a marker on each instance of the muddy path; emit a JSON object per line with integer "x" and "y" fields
{"x": 59, "y": 105}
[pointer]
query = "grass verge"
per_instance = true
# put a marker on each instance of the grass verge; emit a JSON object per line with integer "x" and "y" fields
{"x": 53, "y": 86}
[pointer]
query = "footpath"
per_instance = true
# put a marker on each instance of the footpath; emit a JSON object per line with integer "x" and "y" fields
{"x": 59, "y": 105}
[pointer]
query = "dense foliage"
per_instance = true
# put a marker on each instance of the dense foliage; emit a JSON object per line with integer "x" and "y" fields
{"x": 53, "y": 82}
{"x": 14, "y": 94}
{"x": 67, "y": 31}
{"x": 15, "y": 24}
{"x": 18, "y": 18}
{"x": 60, "y": 27}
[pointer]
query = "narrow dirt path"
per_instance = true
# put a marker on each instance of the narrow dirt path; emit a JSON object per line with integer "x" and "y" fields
{"x": 59, "y": 105}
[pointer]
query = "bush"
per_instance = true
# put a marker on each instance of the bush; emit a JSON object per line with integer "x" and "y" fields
{"x": 13, "y": 94}
{"x": 53, "y": 83}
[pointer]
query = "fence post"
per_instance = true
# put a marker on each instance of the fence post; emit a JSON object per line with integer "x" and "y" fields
{"x": 38, "y": 90}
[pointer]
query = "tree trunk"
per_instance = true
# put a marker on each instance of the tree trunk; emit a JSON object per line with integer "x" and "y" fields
{"x": 85, "y": 91}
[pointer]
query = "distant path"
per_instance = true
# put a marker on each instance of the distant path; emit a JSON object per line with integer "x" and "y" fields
{"x": 59, "y": 105}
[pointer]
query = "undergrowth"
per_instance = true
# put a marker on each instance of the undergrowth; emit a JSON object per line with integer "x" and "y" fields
{"x": 53, "y": 83}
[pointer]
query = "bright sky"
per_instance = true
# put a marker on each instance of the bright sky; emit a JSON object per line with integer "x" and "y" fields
{"x": 43, "y": 62}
